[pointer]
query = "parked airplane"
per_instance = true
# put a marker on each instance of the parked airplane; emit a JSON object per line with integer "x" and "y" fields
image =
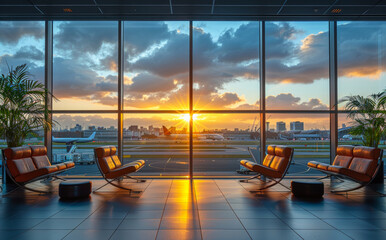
{"x": 74, "y": 140}
{"x": 203, "y": 136}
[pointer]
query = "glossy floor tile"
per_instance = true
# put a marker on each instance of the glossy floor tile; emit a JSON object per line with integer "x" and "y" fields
{"x": 193, "y": 210}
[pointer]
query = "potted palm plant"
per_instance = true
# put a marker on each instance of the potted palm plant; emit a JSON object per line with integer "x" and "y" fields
{"x": 369, "y": 121}
{"x": 369, "y": 117}
{"x": 22, "y": 106}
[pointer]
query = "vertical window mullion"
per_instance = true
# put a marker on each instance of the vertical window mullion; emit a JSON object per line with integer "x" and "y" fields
{"x": 48, "y": 82}
{"x": 333, "y": 77}
{"x": 262, "y": 88}
{"x": 120, "y": 87}
{"x": 191, "y": 99}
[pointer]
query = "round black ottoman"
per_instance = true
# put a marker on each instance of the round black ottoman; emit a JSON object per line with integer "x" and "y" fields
{"x": 307, "y": 189}
{"x": 74, "y": 189}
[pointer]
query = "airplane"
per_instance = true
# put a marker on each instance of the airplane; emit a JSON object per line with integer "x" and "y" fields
{"x": 74, "y": 140}
{"x": 203, "y": 136}
{"x": 70, "y": 142}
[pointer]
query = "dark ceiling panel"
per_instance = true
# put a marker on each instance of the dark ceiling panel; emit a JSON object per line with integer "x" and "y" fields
{"x": 379, "y": 10}
{"x": 196, "y": 10}
{"x": 192, "y": 2}
{"x": 249, "y": 2}
{"x": 74, "y": 10}
{"x": 301, "y": 10}
{"x": 309, "y": 2}
{"x": 133, "y": 2}
{"x": 127, "y": 10}
{"x": 236, "y": 10}
{"x": 383, "y": 2}
{"x": 357, "y": 2}
{"x": 64, "y": 2}
{"x": 15, "y": 2}
{"x": 17, "y": 11}
{"x": 347, "y": 10}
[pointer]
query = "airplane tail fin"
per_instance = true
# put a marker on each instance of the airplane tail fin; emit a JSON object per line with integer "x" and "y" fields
{"x": 166, "y": 131}
{"x": 92, "y": 136}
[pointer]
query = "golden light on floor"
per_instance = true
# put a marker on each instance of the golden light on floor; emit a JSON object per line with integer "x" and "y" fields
{"x": 181, "y": 203}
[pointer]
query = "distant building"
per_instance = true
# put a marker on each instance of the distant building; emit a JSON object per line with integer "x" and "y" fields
{"x": 77, "y": 128}
{"x": 133, "y": 128}
{"x": 297, "y": 126}
{"x": 267, "y": 126}
{"x": 280, "y": 127}
{"x": 343, "y": 125}
{"x": 151, "y": 128}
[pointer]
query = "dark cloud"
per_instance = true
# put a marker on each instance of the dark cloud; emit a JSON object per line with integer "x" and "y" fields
{"x": 147, "y": 83}
{"x": 29, "y": 53}
{"x": 13, "y": 31}
{"x": 139, "y": 36}
{"x": 80, "y": 37}
{"x": 239, "y": 45}
{"x": 286, "y": 101}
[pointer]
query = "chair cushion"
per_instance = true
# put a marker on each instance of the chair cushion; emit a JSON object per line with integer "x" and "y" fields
{"x": 266, "y": 171}
{"x": 343, "y": 161}
{"x": 38, "y": 150}
{"x": 350, "y": 173}
{"x": 271, "y": 149}
{"x": 102, "y": 152}
{"x": 60, "y": 166}
{"x": 367, "y": 152}
{"x": 69, "y": 164}
{"x": 17, "y": 152}
{"x": 125, "y": 169}
{"x": 24, "y": 165}
{"x": 106, "y": 164}
{"x": 323, "y": 166}
{"x": 268, "y": 159}
{"x": 363, "y": 165}
{"x": 32, "y": 175}
{"x": 283, "y": 151}
{"x": 344, "y": 150}
{"x": 41, "y": 161}
{"x": 116, "y": 161}
{"x": 313, "y": 164}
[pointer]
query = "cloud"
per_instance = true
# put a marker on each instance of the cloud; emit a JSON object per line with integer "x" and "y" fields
{"x": 13, "y": 31}
{"x": 286, "y": 101}
{"x": 80, "y": 37}
{"x": 29, "y": 53}
{"x": 148, "y": 83}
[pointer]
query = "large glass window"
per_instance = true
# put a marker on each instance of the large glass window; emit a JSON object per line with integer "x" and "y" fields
{"x": 297, "y": 65}
{"x": 162, "y": 140}
{"x": 361, "y": 58}
{"x": 22, "y": 42}
{"x": 156, "y": 65}
{"x": 75, "y": 136}
{"x": 226, "y": 65}
{"x": 85, "y": 65}
{"x": 219, "y": 144}
{"x": 308, "y": 134}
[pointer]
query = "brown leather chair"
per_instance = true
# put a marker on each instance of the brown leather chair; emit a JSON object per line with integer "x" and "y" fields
{"x": 111, "y": 167}
{"x": 30, "y": 163}
{"x": 359, "y": 164}
{"x": 274, "y": 167}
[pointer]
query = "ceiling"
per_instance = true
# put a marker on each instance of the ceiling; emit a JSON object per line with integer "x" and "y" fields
{"x": 330, "y": 9}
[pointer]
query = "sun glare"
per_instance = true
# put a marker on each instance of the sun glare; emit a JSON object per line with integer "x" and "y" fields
{"x": 186, "y": 117}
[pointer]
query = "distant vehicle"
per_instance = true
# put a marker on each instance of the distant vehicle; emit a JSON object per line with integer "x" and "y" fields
{"x": 203, "y": 136}
{"x": 70, "y": 141}
{"x": 347, "y": 137}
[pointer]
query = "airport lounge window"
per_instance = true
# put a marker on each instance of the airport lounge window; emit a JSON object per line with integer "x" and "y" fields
{"x": 361, "y": 62}
{"x": 22, "y": 42}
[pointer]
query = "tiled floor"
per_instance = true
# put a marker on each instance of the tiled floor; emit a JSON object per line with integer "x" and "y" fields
{"x": 200, "y": 209}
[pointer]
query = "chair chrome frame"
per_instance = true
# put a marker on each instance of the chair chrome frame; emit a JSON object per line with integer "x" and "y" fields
{"x": 43, "y": 177}
{"x": 259, "y": 175}
{"x": 111, "y": 181}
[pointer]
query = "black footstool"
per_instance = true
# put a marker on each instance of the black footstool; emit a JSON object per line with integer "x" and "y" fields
{"x": 307, "y": 189}
{"x": 75, "y": 189}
